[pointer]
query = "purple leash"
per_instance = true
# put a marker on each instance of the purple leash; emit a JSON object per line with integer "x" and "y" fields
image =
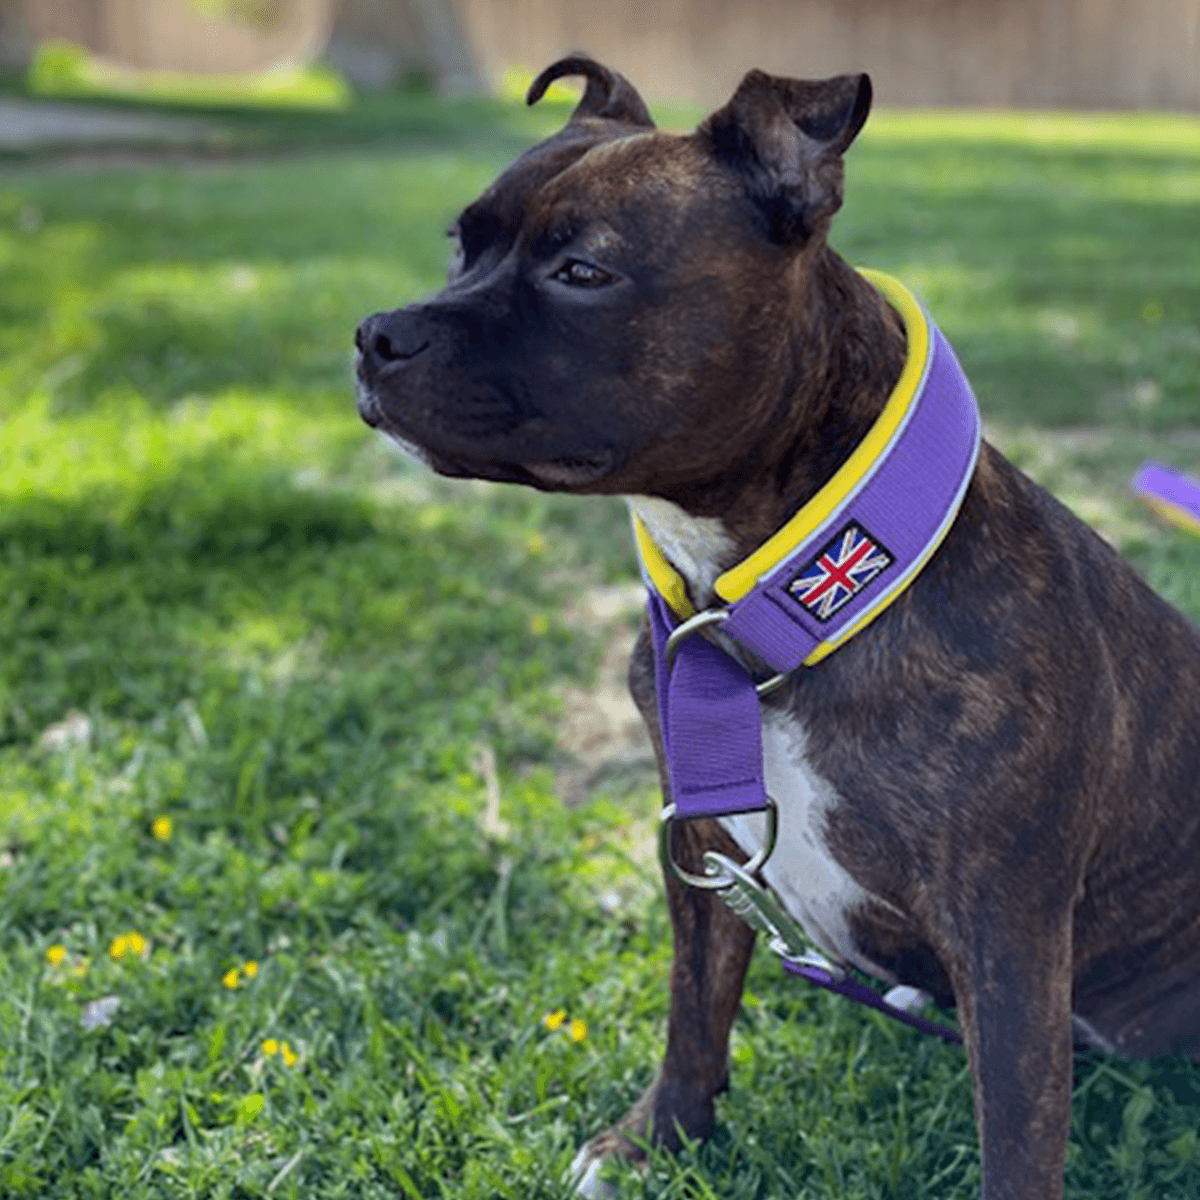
{"x": 861, "y": 993}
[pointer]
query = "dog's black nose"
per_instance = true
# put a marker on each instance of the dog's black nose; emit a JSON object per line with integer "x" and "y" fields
{"x": 388, "y": 338}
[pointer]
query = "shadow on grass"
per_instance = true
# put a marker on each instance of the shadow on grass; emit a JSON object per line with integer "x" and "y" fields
{"x": 209, "y": 585}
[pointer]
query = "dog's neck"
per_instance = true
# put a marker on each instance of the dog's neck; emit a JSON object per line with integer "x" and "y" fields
{"x": 851, "y": 345}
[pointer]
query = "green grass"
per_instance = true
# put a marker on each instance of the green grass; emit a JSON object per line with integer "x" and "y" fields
{"x": 223, "y": 602}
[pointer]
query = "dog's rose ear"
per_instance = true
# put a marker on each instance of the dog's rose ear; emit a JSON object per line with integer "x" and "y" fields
{"x": 785, "y": 138}
{"x": 608, "y": 95}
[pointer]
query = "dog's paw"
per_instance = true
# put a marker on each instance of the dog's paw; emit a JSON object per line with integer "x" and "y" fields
{"x": 584, "y": 1175}
{"x": 589, "y": 1163}
{"x": 907, "y": 999}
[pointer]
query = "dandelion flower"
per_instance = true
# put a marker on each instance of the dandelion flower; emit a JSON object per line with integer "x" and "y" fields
{"x": 536, "y": 543}
{"x": 578, "y": 1030}
{"x": 231, "y": 978}
{"x": 553, "y": 1020}
{"x": 119, "y": 947}
{"x": 539, "y": 625}
{"x": 250, "y": 969}
{"x": 161, "y": 828}
{"x": 56, "y": 955}
{"x": 270, "y": 1047}
{"x": 289, "y": 1055}
{"x": 136, "y": 943}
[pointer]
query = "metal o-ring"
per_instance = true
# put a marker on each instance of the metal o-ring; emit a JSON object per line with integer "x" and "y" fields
{"x": 714, "y": 882}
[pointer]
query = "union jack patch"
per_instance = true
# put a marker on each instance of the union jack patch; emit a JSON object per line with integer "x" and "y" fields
{"x": 840, "y": 570}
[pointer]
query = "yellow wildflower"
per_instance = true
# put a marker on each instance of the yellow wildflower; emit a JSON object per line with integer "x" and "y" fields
{"x": 250, "y": 969}
{"x": 270, "y": 1046}
{"x": 136, "y": 943}
{"x": 118, "y": 947}
{"x": 289, "y": 1055}
{"x": 539, "y": 625}
{"x": 161, "y": 828}
{"x": 536, "y": 543}
{"x": 231, "y": 978}
{"x": 553, "y": 1020}
{"x": 578, "y": 1030}
{"x": 79, "y": 970}
{"x": 55, "y": 955}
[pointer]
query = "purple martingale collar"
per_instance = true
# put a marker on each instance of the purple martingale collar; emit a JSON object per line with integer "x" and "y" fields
{"x": 834, "y": 567}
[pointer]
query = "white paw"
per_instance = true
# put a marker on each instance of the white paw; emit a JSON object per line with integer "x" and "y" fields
{"x": 908, "y": 999}
{"x": 585, "y": 1176}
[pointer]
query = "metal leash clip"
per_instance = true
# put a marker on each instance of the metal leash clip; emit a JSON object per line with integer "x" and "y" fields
{"x": 763, "y": 911}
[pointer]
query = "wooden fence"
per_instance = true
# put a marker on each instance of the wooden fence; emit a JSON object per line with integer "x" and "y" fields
{"x": 1088, "y": 54}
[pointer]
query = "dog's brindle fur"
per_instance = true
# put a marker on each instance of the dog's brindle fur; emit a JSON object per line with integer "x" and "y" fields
{"x": 1014, "y": 745}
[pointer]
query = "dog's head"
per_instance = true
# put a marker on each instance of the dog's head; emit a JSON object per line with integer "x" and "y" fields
{"x": 621, "y": 302}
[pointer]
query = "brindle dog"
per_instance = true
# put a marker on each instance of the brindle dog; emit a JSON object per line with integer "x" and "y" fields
{"x": 1003, "y": 769}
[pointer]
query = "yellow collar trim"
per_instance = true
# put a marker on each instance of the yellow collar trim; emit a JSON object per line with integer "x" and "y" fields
{"x": 740, "y": 580}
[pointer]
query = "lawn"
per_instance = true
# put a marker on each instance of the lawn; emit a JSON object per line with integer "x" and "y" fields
{"x": 265, "y": 929}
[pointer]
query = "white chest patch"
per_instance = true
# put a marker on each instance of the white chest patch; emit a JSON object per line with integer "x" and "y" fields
{"x": 814, "y": 887}
{"x": 695, "y": 546}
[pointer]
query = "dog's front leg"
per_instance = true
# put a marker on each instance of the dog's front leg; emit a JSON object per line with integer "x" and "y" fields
{"x": 1014, "y": 1004}
{"x": 712, "y": 952}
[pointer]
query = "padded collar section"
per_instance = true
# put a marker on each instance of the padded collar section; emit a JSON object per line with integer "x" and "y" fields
{"x": 862, "y": 539}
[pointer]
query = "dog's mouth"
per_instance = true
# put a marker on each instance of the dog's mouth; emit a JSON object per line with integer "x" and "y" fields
{"x": 572, "y": 470}
{"x": 549, "y": 475}
{"x": 562, "y": 471}
{"x": 545, "y": 475}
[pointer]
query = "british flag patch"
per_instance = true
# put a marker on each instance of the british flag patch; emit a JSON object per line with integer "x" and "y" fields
{"x": 840, "y": 570}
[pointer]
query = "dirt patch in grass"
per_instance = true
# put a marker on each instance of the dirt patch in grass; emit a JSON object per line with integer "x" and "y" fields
{"x": 602, "y": 739}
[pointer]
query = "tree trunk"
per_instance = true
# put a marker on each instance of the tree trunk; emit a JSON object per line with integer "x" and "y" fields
{"x": 16, "y": 41}
{"x": 382, "y": 44}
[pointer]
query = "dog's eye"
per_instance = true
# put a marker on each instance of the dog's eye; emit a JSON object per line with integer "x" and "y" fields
{"x": 582, "y": 274}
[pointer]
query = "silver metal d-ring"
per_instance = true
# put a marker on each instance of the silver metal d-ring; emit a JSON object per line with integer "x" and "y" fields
{"x": 701, "y": 620}
{"x": 770, "y": 685}
{"x": 717, "y": 880}
{"x": 694, "y": 623}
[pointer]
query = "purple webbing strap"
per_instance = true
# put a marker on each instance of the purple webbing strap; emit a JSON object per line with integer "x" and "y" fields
{"x": 707, "y": 705}
{"x": 731, "y": 779}
{"x": 860, "y": 993}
